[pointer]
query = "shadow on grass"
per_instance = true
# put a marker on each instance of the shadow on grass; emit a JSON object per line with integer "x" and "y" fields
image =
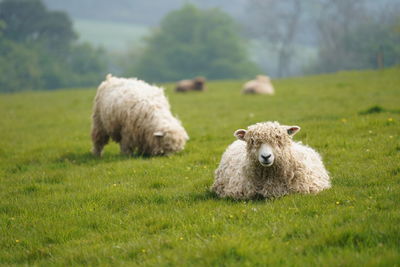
{"x": 377, "y": 109}
{"x": 122, "y": 204}
{"x": 88, "y": 159}
{"x": 208, "y": 195}
{"x": 193, "y": 197}
{"x": 202, "y": 196}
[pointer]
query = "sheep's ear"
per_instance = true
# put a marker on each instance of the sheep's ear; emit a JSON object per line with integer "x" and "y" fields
{"x": 239, "y": 134}
{"x": 159, "y": 134}
{"x": 292, "y": 130}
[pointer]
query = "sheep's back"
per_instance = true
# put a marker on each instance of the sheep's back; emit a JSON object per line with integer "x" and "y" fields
{"x": 120, "y": 100}
{"x": 258, "y": 87}
{"x": 232, "y": 160}
{"x": 315, "y": 172}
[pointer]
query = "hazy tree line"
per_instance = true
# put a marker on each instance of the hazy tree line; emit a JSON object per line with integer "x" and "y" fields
{"x": 191, "y": 42}
{"x": 143, "y": 12}
{"x": 343, "y": 34}
{"x": 288, "y": 37}
{"x": 351, "y": 36}
{"x": 346, "y": 34}
{"x": 38, "y": 50}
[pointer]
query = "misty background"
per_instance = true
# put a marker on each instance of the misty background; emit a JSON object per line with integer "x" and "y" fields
{"x": 167, "y": 40}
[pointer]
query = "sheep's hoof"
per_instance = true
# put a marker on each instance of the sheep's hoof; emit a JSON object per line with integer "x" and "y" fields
{"x": 96, "y": 153}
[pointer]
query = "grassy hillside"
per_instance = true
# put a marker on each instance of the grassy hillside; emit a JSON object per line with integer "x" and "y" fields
{"x": 61, "y": 206}
{"x": 113, "y": 36}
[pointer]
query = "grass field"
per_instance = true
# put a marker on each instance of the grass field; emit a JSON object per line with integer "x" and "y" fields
{"x": 61, "y": 206}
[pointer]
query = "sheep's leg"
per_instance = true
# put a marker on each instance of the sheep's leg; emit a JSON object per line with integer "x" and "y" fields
{"x": 125, "y": 146}
{"x": 99, "y": 138}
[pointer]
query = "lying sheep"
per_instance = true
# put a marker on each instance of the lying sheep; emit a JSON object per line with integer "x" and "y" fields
{"x": 137, "y": 116}
{"x": 261, "y": 85}
{"x": 197, "y": 84}
{"x": 265, "y": 162}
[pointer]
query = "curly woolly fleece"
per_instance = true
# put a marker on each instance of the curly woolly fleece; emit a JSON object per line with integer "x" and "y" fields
{"x": 137, "y": 116}
{"x": 297, "y": 168}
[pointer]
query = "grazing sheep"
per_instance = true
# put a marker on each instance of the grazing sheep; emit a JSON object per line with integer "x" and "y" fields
{"x": 137, "y": 116}
{"x": 261, "y": 85}
{"x": 197, "y": 84}
{"x": 266, "y": 162}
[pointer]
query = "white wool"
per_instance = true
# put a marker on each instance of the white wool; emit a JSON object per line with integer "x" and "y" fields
{"x": 136, "y": 115}
{"x": 261, "y": 85}
{"x": 297, "y": 169}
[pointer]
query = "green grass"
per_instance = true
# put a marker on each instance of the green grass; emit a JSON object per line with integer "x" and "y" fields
{"x": 61, "y": 206}
{"x": 113, "y": 36}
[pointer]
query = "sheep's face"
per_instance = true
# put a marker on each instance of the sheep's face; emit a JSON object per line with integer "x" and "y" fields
{"x": 199, "y": 83}
{"x": 265, "y": 141}
{"x": 170, "y": 141}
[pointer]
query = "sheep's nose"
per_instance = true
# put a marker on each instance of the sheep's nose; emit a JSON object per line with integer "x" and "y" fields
{"x": 266, "y": 157}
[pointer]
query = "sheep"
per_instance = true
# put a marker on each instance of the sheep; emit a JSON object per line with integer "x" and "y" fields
{"x": 137, "y": 116}
{"x": 265, "y": 162}
{"x": 261, "y": 85}
{"x": 197, "y": 84}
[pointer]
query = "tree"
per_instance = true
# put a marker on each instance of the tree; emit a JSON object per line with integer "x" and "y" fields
{"x": 38, "y": 50}
{"x": 19, "y": 67}
{"x": 192, "y": 42}
{"x": 2, "y": 27}
{"x": 276, "y": 23}
{"x": 337, "y": 19}
{"x": 351, "y": 37}
{"x": 87, "y": 64}
{"x": 28, "y": 21}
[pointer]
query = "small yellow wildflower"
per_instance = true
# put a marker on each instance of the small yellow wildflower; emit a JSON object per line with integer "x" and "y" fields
{"x": 180, "y": 238}
{"x": 143, "y": 250}
{"x": 344, "y": 120}
{"x": 231, "y": 216}
{"x": 114, "y": 184}
{"x": 17, "y": 241}
{"x": 391, "y": 136}
{"x": 337, "y": 202}
{"x": 390, "y": 119}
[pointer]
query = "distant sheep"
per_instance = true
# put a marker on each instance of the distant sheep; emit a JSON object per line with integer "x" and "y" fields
{"x": 265, "y": 162}
{"x": 197, "y": 84}
{"x": 137, "y": 116}
{"x": 261, "y": 85}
